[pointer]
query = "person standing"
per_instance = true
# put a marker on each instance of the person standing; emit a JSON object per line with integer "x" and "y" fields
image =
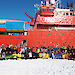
{"x": 0, "y": 51}
{"x": 30, "y": 55}
{"x": 22, "y": 50}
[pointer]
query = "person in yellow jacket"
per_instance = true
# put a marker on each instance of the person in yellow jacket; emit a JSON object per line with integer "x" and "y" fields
{"x": 19, "y": 56}
{"x": 63, "y": 56}
{"x": 47, "y": 55}
{"x": 65, "y": 51}
{"x": 10, "y": 45}
{"x": 40, "y": 55}
{"x": 44, "y": 55}
{"x": 14, "y": 56}
{"x": 38, "y": 50}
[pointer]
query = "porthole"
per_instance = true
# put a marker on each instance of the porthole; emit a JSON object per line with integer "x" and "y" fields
{"x": 38, "y": 42}
{"x": 62, "y": 34}
{"x": 55, "y": 34}
{"x": 69, "y": 34}
{"x": 70, "y": 13}
{"x": 66, "y": 13}
{"x": 69, "y": 19}
{"x": 43, "y": 42}
{"x": 65, "y": 42}
{"x": 48, "y": 34}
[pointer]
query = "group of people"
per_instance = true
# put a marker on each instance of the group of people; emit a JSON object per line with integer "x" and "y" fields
{"x": 26, "y": 52}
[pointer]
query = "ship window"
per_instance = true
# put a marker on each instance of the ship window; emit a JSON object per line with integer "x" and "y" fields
{"x": 65, "y": 42}
{"x": 43, "y": 42}
{"x": 66, "y": 13}
{"x": 44, "y": 9}
{"x": 25, "y": 33}
{"x": 70, "y": 13}
{"x": 3, "y": 33}
{"x": 69, "y": 34}
{"x": 47, "y": 9}
{"x": 62, "y": 34}
{"x": 51, "y": 10}
{"x": 38, "y": 42}
{"x": 48, "y": 34}
{"x": 55, "y": 34}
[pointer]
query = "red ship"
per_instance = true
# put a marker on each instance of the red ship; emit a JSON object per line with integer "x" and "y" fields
{"x": 52, "y": 26}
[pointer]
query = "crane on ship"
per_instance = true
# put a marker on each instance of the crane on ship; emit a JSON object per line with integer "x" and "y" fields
{"x": 32, "y": 19}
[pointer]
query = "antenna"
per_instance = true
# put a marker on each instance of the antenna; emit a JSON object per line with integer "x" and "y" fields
{"x": 71, "y": 4}
{"x": 67, "y": 4}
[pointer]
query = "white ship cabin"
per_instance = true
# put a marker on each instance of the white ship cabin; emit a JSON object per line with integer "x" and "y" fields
{"x": 66, "y": 12}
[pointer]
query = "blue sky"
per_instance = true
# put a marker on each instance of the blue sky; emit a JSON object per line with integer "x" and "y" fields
{"x": 14, "y": 9}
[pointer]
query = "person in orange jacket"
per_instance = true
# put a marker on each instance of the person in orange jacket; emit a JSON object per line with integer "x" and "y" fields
{"x": 34, "y": 49}
{"x": 34, "y": 52}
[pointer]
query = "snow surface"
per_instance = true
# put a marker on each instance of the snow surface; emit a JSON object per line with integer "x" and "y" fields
{"x": 37, "y": 67}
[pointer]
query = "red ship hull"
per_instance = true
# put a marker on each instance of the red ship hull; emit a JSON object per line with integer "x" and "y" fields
{"x": 50, "y": 38}
{"x": 41, "y": 38}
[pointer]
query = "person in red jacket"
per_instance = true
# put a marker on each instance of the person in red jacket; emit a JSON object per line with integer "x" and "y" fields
{"x": 34, "y": 52}
{"x": 34, "y": 49}
{"x": 18, "y": 49}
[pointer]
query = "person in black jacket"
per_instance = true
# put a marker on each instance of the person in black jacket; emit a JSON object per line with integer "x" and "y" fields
{"x": 3, "y": 50}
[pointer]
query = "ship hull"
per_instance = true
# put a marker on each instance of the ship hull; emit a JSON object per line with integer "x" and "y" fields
{"x": 50, "y": 38}
{"x": 42, "y": 38}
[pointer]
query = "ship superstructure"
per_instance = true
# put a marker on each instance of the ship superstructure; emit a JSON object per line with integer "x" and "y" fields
{"x": 53, "y": 26}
